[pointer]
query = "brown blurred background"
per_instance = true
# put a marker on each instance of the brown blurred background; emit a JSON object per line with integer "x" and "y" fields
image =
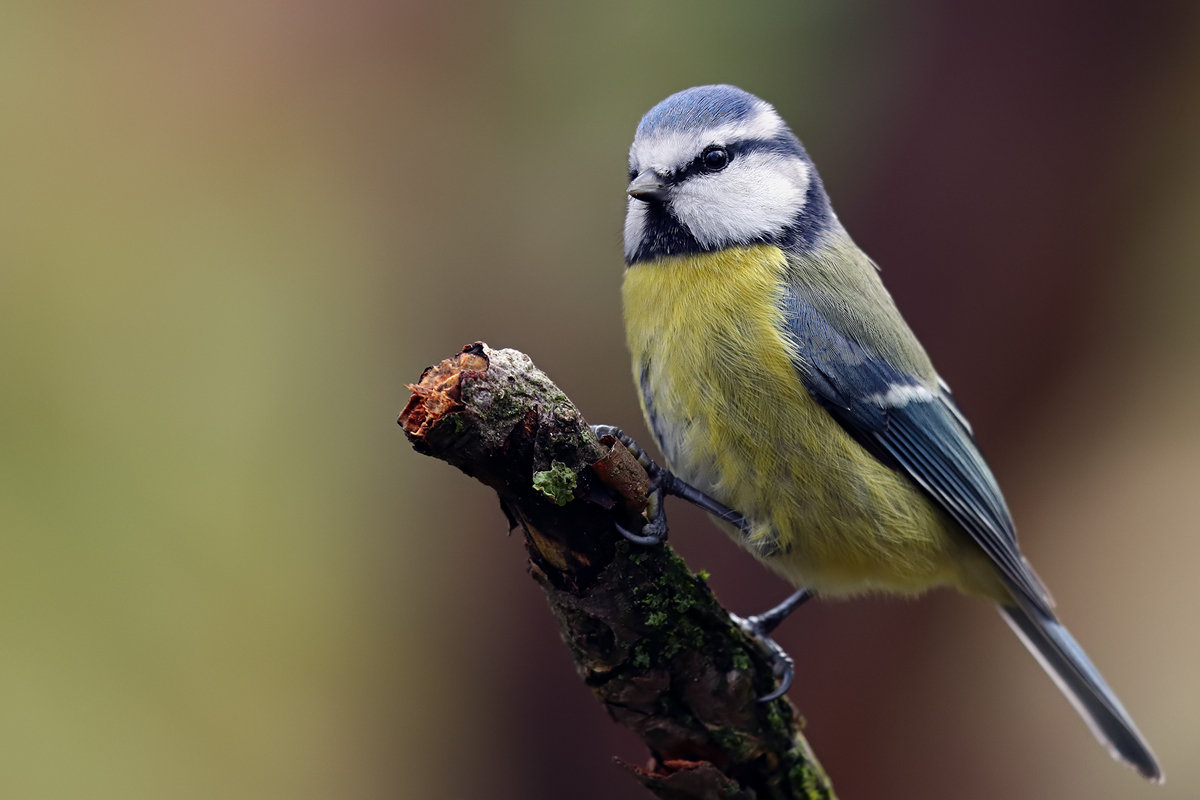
{"x": 230, "y": 232}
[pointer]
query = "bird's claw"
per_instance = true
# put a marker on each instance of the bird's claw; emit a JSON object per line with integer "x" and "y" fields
{"x": 652, "y": 539}
{"x": 664, "y": 482}
{"x": 782, "y": 666}
{"x": 759, "y": 628}
{"x": 653, "y": 532}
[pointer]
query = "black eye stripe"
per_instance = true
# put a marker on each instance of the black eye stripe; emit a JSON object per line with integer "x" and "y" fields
{"x": 782, "y": 145}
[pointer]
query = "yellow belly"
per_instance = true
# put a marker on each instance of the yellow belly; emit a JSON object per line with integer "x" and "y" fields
{"x": 720, "y": 392}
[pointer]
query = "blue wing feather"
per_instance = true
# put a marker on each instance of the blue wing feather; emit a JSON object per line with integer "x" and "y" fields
{"x": 913, "y": 428}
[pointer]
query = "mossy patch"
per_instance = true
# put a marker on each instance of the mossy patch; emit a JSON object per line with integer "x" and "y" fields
{"x": 808, "y": 783}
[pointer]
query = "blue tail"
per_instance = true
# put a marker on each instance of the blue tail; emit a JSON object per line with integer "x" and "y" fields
{"x": 1068, "y": 665}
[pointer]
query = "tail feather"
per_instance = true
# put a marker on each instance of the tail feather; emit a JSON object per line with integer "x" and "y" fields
{"x": 1062, "y": 657}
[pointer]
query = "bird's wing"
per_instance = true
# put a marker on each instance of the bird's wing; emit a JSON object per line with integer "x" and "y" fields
{"x": 909, "y": 426}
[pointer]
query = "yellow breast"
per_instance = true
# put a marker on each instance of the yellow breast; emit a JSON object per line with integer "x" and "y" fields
{"x": 723, "y": 398}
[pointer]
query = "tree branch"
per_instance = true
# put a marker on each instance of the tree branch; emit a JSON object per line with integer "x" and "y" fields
{"x": 648, "y": 637}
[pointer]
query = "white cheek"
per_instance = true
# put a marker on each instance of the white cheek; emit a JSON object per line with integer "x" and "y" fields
{"x": 759, "y": 194}
{"x": 635, "y": 226}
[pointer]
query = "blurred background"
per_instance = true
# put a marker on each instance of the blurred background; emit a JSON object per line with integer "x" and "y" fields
{"x": 230, "y": 232}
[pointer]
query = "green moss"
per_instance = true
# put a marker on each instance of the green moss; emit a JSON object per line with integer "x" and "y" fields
{"x": 682, "y": 602}
{"x": 641, "y": 658}
{"x": 741, "y": 661}
{"x": 732, "y": 741}
{"x": 684, "y": 635}
{"x": 806, "y": 783}
{"x": 656, "y": 618}
{"x": 558, "y": 483}
{"x": 703, "y": 575}
{"x": 648, "y": 601}
{"x": 778, "y": 721}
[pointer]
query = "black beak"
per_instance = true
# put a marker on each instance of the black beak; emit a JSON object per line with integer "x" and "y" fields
{"x": 648, "y": 186}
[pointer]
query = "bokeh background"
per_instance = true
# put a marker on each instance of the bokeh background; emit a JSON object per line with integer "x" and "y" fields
{"x": 231, "y": 231}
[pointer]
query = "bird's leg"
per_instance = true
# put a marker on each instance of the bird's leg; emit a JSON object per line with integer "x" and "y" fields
{"x": 685, "y": 491}
{"x": 759, "y": 628}
{"x": 663, "y": 482}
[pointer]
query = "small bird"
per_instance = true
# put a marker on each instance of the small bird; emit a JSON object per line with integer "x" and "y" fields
{"x": 792, "y": 400}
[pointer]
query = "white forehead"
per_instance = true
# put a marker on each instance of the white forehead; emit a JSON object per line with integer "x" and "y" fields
{"x": 670, "y": 148}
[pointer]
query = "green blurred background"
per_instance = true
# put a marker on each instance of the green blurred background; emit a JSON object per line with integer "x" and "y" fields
{"x": 230, "y": 232}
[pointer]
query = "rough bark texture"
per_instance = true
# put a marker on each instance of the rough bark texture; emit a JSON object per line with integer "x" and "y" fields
{"x": 648, "y": 637}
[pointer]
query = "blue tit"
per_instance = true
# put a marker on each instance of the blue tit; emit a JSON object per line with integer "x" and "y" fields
{"x": 779, "y": 379}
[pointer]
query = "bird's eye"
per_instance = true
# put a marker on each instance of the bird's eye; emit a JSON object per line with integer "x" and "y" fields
{"x": 715, "y": 158}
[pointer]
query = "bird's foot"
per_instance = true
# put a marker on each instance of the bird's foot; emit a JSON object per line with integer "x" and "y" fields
{"x": 654, "y": 531}
{"x": 759, "y": 628}
{"x": 664, "y": 482}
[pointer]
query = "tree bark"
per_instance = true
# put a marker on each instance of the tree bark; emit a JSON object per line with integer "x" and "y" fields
{"x": 648, "y": 637}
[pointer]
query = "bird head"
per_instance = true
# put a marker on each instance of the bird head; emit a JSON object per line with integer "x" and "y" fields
{"x": 714, "y": 167}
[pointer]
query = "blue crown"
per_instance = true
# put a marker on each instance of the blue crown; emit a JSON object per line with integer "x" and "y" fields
{"x": 699, "y": 107}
